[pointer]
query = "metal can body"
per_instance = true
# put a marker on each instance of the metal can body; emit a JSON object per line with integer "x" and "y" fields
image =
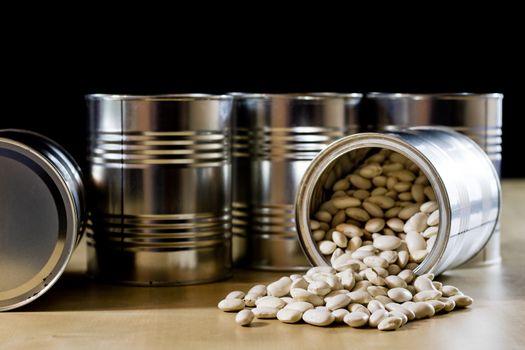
{"x": 160, "y": 186}
{"x": 479, "y": 116}
{"x": 242, "y": 142}
{"x": 286, "y": 132}
{"x": 464, "y": 180}
{"x": 42, "y": 216}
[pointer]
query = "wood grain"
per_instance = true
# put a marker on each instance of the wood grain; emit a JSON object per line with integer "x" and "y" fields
{"x": 82, "y": 314}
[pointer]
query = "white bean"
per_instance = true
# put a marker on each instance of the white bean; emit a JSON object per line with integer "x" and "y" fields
{"x": 390, "y": 323}
{"x": 356, "y": 319}
{"x": 244, "y": 317}
{"x": 399, "y": 295}
{"x": 360, "y": 182}
{"x": 280, "y": 288}
{"x": 416, "y": 223}
{"x": 250, "y": 299}
{"x": 361, "y": 194}
{"x": 320, "y": 269}
{"x": 230, "y": 305}
{"x": 320, "y": 288}
{"x": 375, "y": 225}
{"x": 338, "y": 301}
{"x": 429, "y": 192}
{"x": 379, "y": 181}
{"x": 402, "y": 309}
{"x": 339, "y": 315}
{"x": 427, "y": 295}
{"x": 376, "y": 317}
{"x": 300, "y": 306}
{"x": 428, "y": 207}
{"x": 341, "y": 185}
{"x": 407, "y": 212}
{"x": 449, "y": 291}
{"x": 390, "y": 256}
{"x": 318, "y": 317}
{"x": 289, "y": 315}
{"x": 258, "y": 289}
{"x": 387, "y": 242}
{"x": 375, "y": 261}
{"x": 384, "y": 202}
{"x": 433, "y": 219}
{"x": 270, "y": 301}
{"x": 417, "y": 192}
{"x": 421, "y": 310}
{"x": 265, "y": 312}
{"x": 236, "y": 294}
{"x": 430, "y": 232}
{"x": 357, "y": 214}
{"x": 358, "y": 308}
{"x": 323, "y": 216}
{"x": 415, "y": 241}
{"x": 462, "y": 300}
{"x": 360, "y": 297}
{"x": 339, "y": 239}
{"x": 327, "y": 247}
{"x": 437, "y": 305}
{"x": 395, "y": 282}
{"x": 375, "y": 305}
{"x": 373, "y": 209}
{"x": 422, "y": 283}
{"x": 345, "y": 202}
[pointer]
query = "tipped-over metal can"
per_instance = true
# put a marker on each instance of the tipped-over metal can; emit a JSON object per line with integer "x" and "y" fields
{"x": 463, "y": 179}
{"x": 42, "y": 215}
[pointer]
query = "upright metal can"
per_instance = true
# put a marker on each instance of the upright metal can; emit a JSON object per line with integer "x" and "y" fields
{"x": 284, "y": 132}
{"x": 242, "y": 142}
{"x": 160, "y": 188}
{"x": 478, "y": 116}
{"x": 42, "y": 215}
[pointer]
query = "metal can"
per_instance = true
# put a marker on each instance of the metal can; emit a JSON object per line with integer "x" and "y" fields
{"x": 242, "y": 142}
{"x": 479, "y": 116}
{"x": 42, "y": 215}
{"x": 159, "y": 169}
{"x": 280, "y": 134}
{"x": 463, "y": 178}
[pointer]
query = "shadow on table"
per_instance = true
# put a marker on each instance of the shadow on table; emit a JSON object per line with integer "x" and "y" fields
{"x": 77, "y": 292}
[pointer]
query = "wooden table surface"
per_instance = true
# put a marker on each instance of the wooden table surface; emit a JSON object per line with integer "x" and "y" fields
{"x": 78, "y": 313}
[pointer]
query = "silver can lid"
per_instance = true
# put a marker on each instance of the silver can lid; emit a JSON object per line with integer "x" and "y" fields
{"x": 39, "y": 220}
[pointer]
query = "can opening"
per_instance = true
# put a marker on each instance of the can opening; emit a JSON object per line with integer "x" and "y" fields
{"x": 326, "y": 180}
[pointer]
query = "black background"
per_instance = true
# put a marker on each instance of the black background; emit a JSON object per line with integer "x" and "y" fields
{"x": 45, "y": 76}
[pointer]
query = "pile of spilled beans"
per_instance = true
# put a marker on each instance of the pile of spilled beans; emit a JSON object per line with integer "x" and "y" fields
{"x": 379, "y": 224}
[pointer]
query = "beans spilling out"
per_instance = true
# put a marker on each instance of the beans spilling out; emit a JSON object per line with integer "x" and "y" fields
{"x": 324, "y": 296}
{"x": 380, "y": 222}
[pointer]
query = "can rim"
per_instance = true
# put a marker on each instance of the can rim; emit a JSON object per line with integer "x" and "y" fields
{"x": 298, "y": 95}
{"x": 55, "y": 270}
{"x": 434, "y": 96}
{"x": 369, "y": 140}
{"x": 158, "y": 97}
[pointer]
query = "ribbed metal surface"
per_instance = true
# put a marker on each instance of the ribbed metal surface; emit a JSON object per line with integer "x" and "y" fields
{"x": 300, "y": 143}
{"x": 478, "y": 116}
{"x": 275, "y": 138}
{"x": 163, "y": 232}
{"x": 136, "y": 149}
{"x": 242, "y": 142}
{"x": 160, "y": 179}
